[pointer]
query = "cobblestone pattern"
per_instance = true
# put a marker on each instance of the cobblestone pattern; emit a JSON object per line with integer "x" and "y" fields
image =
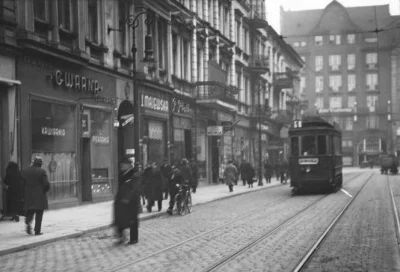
{"x": 283, "y": 250}
{"x": 96, "y": 252}
{"x": 365, "y": 238}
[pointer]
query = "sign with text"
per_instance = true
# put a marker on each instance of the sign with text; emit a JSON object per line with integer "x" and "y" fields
{"x": 214, "y": 131}
{"x": 155, "y": 103}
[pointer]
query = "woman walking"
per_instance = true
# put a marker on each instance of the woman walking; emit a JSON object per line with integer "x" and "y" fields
{"x": 14, "y": 185}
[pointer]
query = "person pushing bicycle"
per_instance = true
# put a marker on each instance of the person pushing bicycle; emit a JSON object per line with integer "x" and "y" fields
{"x": 175, "y": 181}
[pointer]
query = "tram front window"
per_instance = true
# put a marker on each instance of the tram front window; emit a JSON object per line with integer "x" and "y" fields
{"x": 308, "y": 146}
{"x": 294, "y": 147}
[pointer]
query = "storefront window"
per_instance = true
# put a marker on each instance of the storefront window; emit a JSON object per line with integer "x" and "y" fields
{"x": 101, "y": 152}
{"x": 54, "y": 139}
{"x": 156, "y": 144}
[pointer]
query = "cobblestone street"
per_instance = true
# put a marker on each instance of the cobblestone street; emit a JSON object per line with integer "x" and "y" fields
{"x": 220, "y": 228}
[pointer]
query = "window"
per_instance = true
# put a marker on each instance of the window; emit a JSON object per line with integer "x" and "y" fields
{"x": 122, "y": 13}
{"x": 319, "y": 84}
{"x": 335, "y": 39}
{"x": 162, "y": 44}
{"x": 319, "y": 102}
{"x": 294, "y": 146}
{"x": 348, "y": 123}
{"x": 351, "y": 82}
{"x": 303, "y": 44}
{"x": 322, "y": 145}
{"x": 351, "y": 38}
{"x": 238, "y": 38}
{"x": 351, "y": 101}
{"x": 371, "y": 40}
{"x": 319, "y": 63}
{"x": 92, "y": 31}
{"x": 319, "y": 40}
{"x": 175, "y": 54}
{"x": 335, "y": 102}
{"x": 372, "y": 102}
{"x": 372, "y": 82}
{"x": 337, "y": 147}
{"x": 308, "y": 145}
{"x": 335, "y": 83}
{"x": 65, "y": 11}
{"x": 373, "y": 121}
{"x": 335, "y": 62}
{"x": 371, "y": 58}
{"x": 185, "y": 60}
{"x": 351, "y": 61}
{"x": 41, "y": 10}
{"x": 246, "y": 40}
{"x": 296, "y": 44}
{"x": 302, "y": 84}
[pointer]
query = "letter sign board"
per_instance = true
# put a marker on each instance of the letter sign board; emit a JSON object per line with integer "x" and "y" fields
{"x": 214, "y": 131}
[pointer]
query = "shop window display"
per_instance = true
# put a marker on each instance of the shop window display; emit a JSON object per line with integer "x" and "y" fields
{"x": 54, "y": 139}
{"x": 156, "y": 143}
{"x": 100, "y": 152}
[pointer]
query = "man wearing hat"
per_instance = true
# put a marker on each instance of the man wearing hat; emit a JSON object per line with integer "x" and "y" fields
{"x": 36, "y": 187}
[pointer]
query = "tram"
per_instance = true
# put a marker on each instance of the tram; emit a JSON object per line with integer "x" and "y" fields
{"x": 315, "y": 155}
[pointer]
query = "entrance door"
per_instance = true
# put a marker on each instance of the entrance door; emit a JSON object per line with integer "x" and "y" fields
{"x": 215, "y": 158}
{"x": 86, "y": 171}
{"x": 188, "y": 144}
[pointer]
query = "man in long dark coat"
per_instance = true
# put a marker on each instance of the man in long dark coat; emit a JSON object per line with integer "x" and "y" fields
{"x": 246, "y": 172}
{"x": 166, "y": 171}
{"x": 127, "y": 202}
{"x": 36, "y": 187}
{"x": 154, "y": 186}
{"x": 195, "y": 172}
{"x": 14, "y": 186}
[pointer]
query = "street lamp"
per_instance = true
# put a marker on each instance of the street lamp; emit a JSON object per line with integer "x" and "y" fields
{"x": 133, "y": 22}
{"x": 260, "y": 182}
{"x": 389, "y": 119}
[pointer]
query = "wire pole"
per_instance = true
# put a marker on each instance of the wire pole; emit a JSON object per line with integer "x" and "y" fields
{"x": 260, "y": 182}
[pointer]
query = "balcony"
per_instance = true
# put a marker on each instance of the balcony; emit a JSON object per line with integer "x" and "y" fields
{"x": 282, "y": 116}
{"x": 183, "y": 85}
{"x": 259, "y": 64}
{"x": 283, "y": 80}
{"x": 216, "y": 95}
{"x": 258, "y": 18}
{"x": 263, "y": 113}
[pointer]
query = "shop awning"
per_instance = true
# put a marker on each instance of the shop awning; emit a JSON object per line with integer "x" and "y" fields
{"x": 9, "y": 82}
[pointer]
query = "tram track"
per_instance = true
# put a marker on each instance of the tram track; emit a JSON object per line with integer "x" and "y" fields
{"x": 352, "y": 176}
{"x": 395, "y": 210}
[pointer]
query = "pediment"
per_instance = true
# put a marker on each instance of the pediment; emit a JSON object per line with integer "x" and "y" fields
{"x": 335, "y": 20}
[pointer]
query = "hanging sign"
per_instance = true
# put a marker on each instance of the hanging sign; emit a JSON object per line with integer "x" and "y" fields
{"x": 214, "y": 131}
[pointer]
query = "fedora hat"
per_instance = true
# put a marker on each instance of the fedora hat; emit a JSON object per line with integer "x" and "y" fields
{"x": 37, "y": 161}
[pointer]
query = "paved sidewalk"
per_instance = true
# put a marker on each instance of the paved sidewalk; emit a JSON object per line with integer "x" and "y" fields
{"x": 76, "y": 221}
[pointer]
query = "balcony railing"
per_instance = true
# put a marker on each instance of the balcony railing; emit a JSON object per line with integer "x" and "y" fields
{"x": 259, "y": 63}
{"x": 258, "y": 18}
{"x": 216, "y": 90}
{"x": 183, "y": 85}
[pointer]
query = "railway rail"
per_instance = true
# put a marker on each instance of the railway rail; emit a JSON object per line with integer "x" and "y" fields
{"x": 238, "y": 219}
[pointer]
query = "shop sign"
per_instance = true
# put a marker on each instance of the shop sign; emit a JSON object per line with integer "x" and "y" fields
{"x": 100, "y": 139}
{"x": 154, "y": 103}
{"x": 53, "y": 131}
{"x": 179, "y": 106}
{"x": 77, "y": 82}
{"x": 214, "y": 131}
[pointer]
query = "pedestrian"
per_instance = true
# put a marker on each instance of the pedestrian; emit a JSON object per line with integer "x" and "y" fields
{"x": 237, "y": 176}
{"x": 175, "y": 181}
{"x": 166, "y": 171}
{"x": 247, "y": 173}
{"x": 14, "y": 186}
{"x": 186, "y": 171}
{"x": 268, "y": 171}
{"x": 154, "y": 187}
{"x": 230, "y": 174}
{"x": 36, "y": 187}
{"x": 195, "y": 179}
{"x": 251, "y": 173}
{"x": 127, "y": 202}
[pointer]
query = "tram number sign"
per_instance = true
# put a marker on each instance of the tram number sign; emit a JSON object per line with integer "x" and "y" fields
{"x": 297, "y": 124}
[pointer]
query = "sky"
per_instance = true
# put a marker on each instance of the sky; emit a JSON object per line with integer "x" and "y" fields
{"x": 273, "y": 9}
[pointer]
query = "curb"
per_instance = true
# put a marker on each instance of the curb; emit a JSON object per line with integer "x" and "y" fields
{"x": 81, "y": 233}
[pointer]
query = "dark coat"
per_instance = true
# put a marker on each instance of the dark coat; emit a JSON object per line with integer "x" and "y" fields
{"x": 176, "y": 179}
{"x": 268, "y": 169}
{"x": 166, "y": 171}
{"x": 195, "y": 172}
{"x": 247, "y": 171}
{"x": 154, "y": 184}
{"x": 186, "y": 173}
{"x": 15, "y": 192}
{"x": 127, "y": 200}
{"x": 36, "y": 186}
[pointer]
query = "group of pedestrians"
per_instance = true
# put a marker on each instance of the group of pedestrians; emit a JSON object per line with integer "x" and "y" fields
{"x": 26, "y": 193}
{"x": 151, "y": 185}
{"x": 280, "y": 169}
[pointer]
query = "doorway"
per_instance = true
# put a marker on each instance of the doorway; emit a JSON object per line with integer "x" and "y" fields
{"x": 188, "y": 143}
{"x": 86, "y": 171}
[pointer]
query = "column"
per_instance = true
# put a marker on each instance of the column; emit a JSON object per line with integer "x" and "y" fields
{"x": 206, "y": 57}
{"x": 194, "y": 55}
{"x": 200, "y": 9}
{"x": 155, "y": 43}
{"x": 170, "y": 61}
{"x": 217, "y": 50}
{"x": 232, "y": 23}
{"x": 211, "y": 13}
{"x": 55, "y": 38}
{"x": 201, "y": 65}
{"x": 179, "y": 57}
{"x": 193, "y": 6}
{"x": 205, "y": 10}
{"x": 216, "y": 15}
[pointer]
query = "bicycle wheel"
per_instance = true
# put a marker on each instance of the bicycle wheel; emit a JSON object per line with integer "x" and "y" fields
{"x": 188, "y": 203}
{"x": 180, "y": 206}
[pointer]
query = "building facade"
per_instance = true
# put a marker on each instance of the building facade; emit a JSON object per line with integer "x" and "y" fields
{"x": 200, "y": 79}
{"x": 348, "y": 75}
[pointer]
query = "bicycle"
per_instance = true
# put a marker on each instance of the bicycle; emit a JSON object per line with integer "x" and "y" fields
{"x": 183, "y": 199}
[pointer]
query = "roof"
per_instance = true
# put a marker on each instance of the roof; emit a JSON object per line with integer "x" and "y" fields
{"x": 347, "y": 19}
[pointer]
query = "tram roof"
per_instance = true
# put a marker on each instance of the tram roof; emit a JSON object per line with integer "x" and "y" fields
{"x": 316, "y": 123}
